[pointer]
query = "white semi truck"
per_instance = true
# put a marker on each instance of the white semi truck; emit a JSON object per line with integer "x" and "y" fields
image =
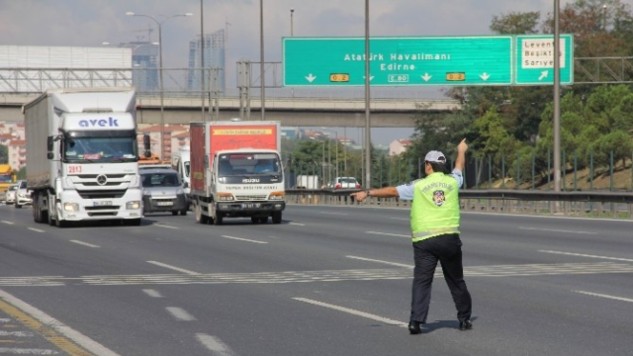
{"x": 82, "y": 156}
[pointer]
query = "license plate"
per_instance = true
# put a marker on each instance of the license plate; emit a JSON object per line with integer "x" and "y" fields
{"x": 165, "y": 203}
{"x": 250, "y": 205}
{"x": 103, "y": 203}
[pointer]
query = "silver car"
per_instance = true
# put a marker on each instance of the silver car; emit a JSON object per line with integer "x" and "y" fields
{"x": 162, "y": 191}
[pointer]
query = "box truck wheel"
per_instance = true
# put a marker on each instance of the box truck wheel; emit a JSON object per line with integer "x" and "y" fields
{"x": 201, "y": 219}
{"x": 277, "y": 217}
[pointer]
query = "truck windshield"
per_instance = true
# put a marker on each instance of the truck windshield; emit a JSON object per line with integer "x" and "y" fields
{"x": 100, "y": 149}
{"x": 248, "y": 164}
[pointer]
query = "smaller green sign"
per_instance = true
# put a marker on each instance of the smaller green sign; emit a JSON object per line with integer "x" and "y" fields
{"x": 535, "y": 60}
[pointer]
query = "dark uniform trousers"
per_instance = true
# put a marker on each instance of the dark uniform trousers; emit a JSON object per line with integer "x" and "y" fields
{"x": 448, "y": 250}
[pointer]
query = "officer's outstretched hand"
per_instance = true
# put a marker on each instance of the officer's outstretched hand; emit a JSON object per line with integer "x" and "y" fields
{"x": 462, "y": 147}
{"x": 360, "y": 196}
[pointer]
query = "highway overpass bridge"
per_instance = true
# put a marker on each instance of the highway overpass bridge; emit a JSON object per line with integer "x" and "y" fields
{"x": 294, "y": 111}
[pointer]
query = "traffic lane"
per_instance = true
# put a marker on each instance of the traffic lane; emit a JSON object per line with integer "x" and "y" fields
{"x": 449, "y": 304}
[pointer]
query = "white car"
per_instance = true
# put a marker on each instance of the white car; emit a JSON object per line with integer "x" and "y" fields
{"x": 10, "y": 194}
{"x": 22, "y": 195}
{"x": 345, "y": 183}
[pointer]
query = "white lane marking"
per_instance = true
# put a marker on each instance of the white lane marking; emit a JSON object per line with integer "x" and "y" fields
{"x": 558, "y": 230}
{"x": 400, "y": 219}
{"x": 84, "y": 341}
{"x": 296, "y": 224}
{"x": 584, "y": 255}
{"x": 16, "y": 333}
{"x": 8, "y": 222}
{"x": 167, "y": 226}
{"x": 352, "y": 312}
{"x": 152, "y": 293}
{"x": 24, "y": 351}
{"x": 380, "y": 261}
{"x": 85, "y": 243}
{"x": 243, "y": 239}
{"x": 214, "y": 345}
{"x": 180, "y": 314}
{"x": 36, "y": 230}
{"x": 606, "y": 296}
{"x": 386, "y": 234}
{"x": 173, "y": 267}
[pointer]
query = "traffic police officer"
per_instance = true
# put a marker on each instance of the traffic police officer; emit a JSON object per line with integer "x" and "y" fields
{"x": 435, "y": 233}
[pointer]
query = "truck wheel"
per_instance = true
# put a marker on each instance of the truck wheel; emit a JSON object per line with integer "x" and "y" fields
{"x": 174, "y": 212}
{"x": 200, "y": 219}
{"x": 60, "y": 223}
{"x": 218, "y": 219}
{"x": 277, "y": 217}
{"x": 183, "y": 212}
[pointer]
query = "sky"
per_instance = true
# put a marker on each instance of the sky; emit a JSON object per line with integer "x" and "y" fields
{"x": 88, "y": 23}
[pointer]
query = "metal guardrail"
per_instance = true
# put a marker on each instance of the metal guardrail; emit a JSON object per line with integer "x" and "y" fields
{"x": 577, "y": 203}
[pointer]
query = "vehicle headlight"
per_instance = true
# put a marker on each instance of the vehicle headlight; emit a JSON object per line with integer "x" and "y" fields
{"x": 133, "y": 205}
{"x": 277, "y": 195}
{"x": 225, "y": 197}
{"x": 71, "y": 207}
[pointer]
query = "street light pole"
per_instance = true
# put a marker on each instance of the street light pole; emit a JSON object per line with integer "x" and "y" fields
{"x": 160, "y": 72}
{"x": 292, "y": 11}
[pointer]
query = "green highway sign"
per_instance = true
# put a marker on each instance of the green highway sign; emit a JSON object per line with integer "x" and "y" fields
{"x": 418, "y": 61}
{"x": 398, "y": 61}
{"x": 535, "y": 59}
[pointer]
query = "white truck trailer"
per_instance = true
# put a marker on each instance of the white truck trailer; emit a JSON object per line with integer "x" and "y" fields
{"x": 236, "y": 171}
{"x": 82, "y": 156}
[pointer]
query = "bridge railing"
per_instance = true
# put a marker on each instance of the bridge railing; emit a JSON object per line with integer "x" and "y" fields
{"x": 585, "y": 204}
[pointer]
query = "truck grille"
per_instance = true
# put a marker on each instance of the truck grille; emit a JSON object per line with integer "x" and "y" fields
{"x": 101, "y": 194}
{"x": 251, "y": 197}
{"x": 91, "y": 180}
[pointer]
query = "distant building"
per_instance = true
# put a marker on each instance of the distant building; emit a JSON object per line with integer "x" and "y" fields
{"x": 144, "y": 65}
{"x": 399, "y": 146}
{"x": 214, "y": 63}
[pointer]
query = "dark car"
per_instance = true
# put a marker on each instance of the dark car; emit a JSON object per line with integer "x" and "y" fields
{"x": 163, "y": 191}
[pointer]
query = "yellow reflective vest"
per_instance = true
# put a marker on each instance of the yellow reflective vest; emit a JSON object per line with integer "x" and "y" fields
{"x": 435, "y": 207}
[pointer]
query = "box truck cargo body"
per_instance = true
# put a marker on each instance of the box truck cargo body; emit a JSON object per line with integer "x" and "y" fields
{"x": 82, "y": 156}
{"x": 236, "y": 171}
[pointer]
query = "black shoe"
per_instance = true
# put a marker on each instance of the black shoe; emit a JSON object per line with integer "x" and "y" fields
{"x": 414, "y": 327}
{"x": 465, "y": 325}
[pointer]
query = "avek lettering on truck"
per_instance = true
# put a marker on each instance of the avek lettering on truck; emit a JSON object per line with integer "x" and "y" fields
{"x": 82, "y": 156}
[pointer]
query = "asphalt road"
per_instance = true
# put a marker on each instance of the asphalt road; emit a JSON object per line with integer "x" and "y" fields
{"x": 327, "y": 281}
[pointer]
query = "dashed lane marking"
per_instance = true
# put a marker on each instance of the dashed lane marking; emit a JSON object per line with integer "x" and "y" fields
{"x": 84, "y": 244}
{"x": 7, "y": 222}
{"x": 173, "y": 267}
{"x": 387, "y": 234}
{"x": 36, "y": 230}
{"x": 581, "y": 232}
{"x": 243, "y": 239}
{"x": 180, "y": 314}
{"x": 380, "y": 261}
{"x": 353, "y": 312}
{"x": 585, "y": 255}
{"x": 152, "y": 293}
{"x": 605, "y": 296}
{"x": 214, "y": 344}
